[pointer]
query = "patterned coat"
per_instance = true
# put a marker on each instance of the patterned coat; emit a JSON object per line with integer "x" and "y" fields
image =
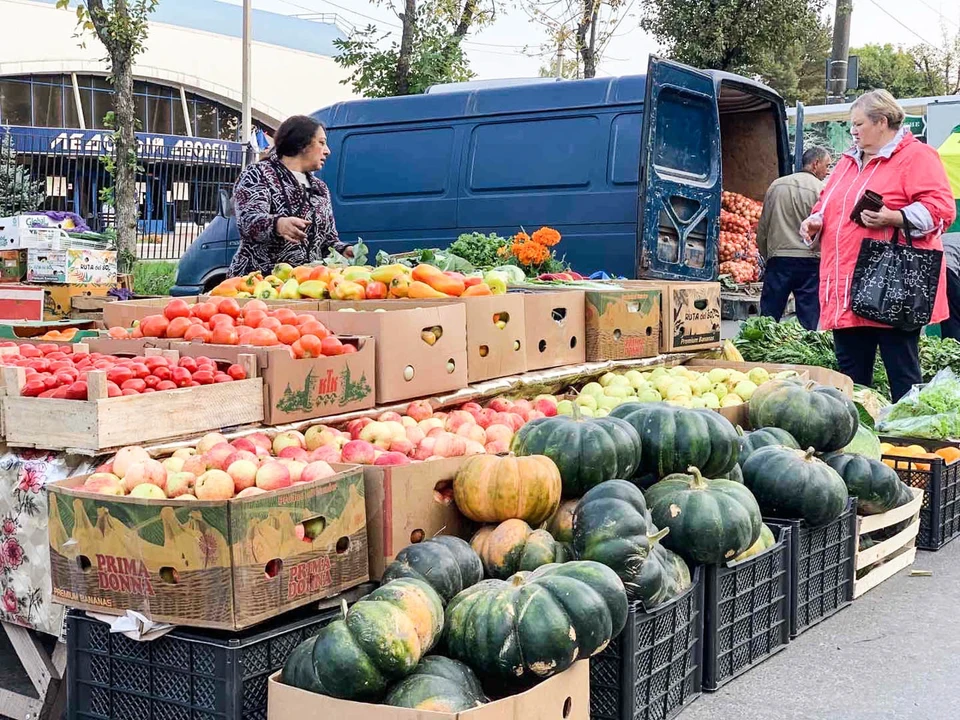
{"x": 266, "y": 191}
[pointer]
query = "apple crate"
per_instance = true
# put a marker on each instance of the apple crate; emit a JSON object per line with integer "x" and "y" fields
{"x": 891, "y": 543}
{"x": 101, "y": 423}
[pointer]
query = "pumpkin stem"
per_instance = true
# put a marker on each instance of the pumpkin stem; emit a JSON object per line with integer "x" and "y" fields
{"x": 343, "y": 608}
{"x": 576, "y": 412}
{"x": 517, "y": 579}
{"x": 658, "y": 536}
{"x": 698, "y": 482}
{"x": 808, "y": 455}
{"x": 740, "y": 431}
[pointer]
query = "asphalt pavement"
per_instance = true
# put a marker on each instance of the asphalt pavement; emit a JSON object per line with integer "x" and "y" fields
{"x": 894, "y": 654}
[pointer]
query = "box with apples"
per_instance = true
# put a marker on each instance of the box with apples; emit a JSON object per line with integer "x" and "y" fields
{"x": 68, "y": 399}
{"x": 188, "y": 542}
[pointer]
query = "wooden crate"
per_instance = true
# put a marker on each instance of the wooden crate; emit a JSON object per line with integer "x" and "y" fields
{"x": 100, "y": 423}
{"x": 889, "y": 557}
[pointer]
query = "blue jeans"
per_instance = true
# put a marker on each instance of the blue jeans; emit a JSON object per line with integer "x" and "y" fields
{"x": 801, "y": 276}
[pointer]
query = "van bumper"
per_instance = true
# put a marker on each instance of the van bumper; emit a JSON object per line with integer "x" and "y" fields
{"x": 183, "y": 290}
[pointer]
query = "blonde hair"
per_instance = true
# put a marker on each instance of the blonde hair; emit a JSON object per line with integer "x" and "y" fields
{"x": 878, "y": 104}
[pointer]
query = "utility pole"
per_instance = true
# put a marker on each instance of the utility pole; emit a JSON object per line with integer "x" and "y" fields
{"x": 246, "y": 120}
{"x": 839, "y": 58}
{"x": 560, "y": 39}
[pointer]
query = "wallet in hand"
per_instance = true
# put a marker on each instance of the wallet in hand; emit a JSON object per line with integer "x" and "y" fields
{"x": 869, "y": 201}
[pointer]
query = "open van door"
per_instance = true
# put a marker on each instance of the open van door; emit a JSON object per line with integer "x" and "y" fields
{"x": 679, "y": 214}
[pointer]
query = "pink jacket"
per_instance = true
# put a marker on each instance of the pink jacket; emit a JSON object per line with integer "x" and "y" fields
{"x": 909, "y": 175}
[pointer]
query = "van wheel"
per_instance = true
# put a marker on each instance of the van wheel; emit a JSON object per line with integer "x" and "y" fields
{"x": 212, "y": 282}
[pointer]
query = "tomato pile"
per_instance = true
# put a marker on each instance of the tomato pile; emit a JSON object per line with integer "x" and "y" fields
{"x": 221, "y": 321}
{"x": 55, "y": 371}
{"x": 739, "y": 256}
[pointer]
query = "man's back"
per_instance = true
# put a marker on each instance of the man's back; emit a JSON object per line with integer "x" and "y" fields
{"x": 787, "y": 204}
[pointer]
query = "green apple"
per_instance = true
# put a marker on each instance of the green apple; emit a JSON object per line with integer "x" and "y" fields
{"x": 588, "y": 401}
{"x": 736, "y": 377}
{"x": 678, "y": 390}
{"x": 648, "y": 395}
{"x": 730, "y": 400}
{"x": 677, "y": 371}
{"x": 608, "y": 379}
{"x": 565, "y": 407}
{"x": 718, "y": 375}
{"x": 608, "y": 403}
{"x": 592, "y": 388}
{"x": 758, "y": 376}
{"x": 702, "y": 385}
{"x": 745, "y": 389}
{"x": 601, "y": 412}
{"x": 657, "y": 373}
{"x": 710, "y": 400}
{"x": 663, "y": 384}
{"x": 697, "y": 402}
{"x": 720, "y": 390}
{"x": 587, "y": 411}
{"x": 635, "y": 377}
{"x": 616, "y": 391}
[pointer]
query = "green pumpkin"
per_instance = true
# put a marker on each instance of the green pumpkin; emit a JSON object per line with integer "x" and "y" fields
{"x": 512, "y": 546}
{"x": 588, "y": 451}
{"x": 675, "y": 438}
{"x": 764, "y": 437}
{"x": 438, "y": 684}
{"x": 537, "y": 624}
{"x": 446, "y": 563}
{"x": 735, "y": 475}
{"x": 560, "y": 524}
{"x": 791, "y": 483}
{"x": 771, "y": 386}
{"x": 764, "y": 542}
{"x": 710, "y": 521}
{"x": 876, "y": 486}
{"x": 380, "y": 640}
{"x": 611, "y": 525}
{"x": 816, "y": 416}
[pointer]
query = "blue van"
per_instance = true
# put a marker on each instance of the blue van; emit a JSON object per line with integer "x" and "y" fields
{"x": 628, "y": 169}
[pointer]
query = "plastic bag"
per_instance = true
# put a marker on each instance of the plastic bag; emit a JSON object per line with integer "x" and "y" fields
{"x": 942, "y": 426}
{"x": 927, "y": 411}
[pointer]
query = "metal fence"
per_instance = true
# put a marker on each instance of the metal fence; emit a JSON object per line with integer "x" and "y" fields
{"x": 178, "y": 181}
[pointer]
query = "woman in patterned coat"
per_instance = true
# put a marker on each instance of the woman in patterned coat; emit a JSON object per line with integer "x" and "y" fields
{"x": 909, "y": 175}
{"x": 283, "y": 212}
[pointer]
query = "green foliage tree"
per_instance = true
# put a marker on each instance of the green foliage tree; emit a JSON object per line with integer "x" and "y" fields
{"x": 581, "y": 28}
{"x": 919, "y": 71}
{"x": 429, "y": 50}
{"x": 798, "y": 71}
{"x": 121, "y": 26}
{"x": 18, "y": 191}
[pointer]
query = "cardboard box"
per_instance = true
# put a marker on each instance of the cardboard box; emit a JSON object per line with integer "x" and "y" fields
{"x": 824, "y": 376}
{"x": 402, "y": 352}
{"x": 622, "y": 324}
{"x": 225, "y": 564}
{"x": 555, "y": 328}
{"x": 407, "y": 504}
{"x": 24, "y": 232}
{"x": 305, "y": 389}
{"x": 563, "y": 697}
{"x": 30, "y": 331}
{"x": 59, "y": 299}
{"x": 21, "y": 302}
{"x": 126, "y": 312}
{"x": 13, "y": 266}
{"x": 691, "y": 314}
{"x": 73, "y": 266}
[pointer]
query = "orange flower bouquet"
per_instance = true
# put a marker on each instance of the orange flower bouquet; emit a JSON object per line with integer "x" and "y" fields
{"x": 532, "y": 254}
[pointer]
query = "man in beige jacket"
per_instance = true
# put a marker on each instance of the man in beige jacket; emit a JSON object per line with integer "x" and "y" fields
{"x": 791, "y": 266}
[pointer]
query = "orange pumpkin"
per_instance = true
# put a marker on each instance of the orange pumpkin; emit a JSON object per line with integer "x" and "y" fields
{"x": 513, "y": 546}
{"x": 949, "y": 454}
{"x": 491, "y": 488}
{"x": 909, "y": 451}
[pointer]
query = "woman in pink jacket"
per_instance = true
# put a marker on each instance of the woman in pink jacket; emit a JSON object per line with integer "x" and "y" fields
{"x": 909, "y": 175}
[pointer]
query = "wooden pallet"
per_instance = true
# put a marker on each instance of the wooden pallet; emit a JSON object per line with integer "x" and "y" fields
{"x": 891, "y": 556}
{"x": 46, "y": 673}
{"x": 101, "y": 424}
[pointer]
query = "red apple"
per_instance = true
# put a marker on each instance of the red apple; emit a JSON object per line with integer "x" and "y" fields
{"x": 217, "y": 455}
{"x": 320, "y": 435}
{"x": 521, "y": 406}
{"x": 150, "y": 471}
{"x": 173, "y": 464}
{"x": 425, "y": 449}
{"x": 214, "y": 485}
{"x": 244, "y": 473}
{"x": 450, "y": 445}
{"x": 430, "y": 423}
{"x": 389, "y": 416}
{"x": 107, "y": 467}
{"x": 415, "y": 435}
{"x": 273, "y": 476}
{"x": 497, "y": 447}
{"x": 250, "y": 492}
{"x": 208, "y": 441}
{"x": 474, "y": 448}
{"x": 404, "y": 447}
{"x": 436, "y": 432}
{"x": 546, "y": 405}
{"x": 535, "y": 415}
{"x": 196, "y": 464}
{"x": 472, "y": 431}
{"x": 355, "y": 426}
{"x": 457, "y": 419}
{"x": 290, "y": 438}
{"x": 487, "y": 417}
{"x": 326, "y": 453}
{"x": 245, "y": 443}
{"x": 180, "y": 483}
{"x": 261, "y": 440}
{"x": 318, "y": 470}
{"x": 126, "y": 457}
{"x": 294, "y": 467}
{"x": 420, "y": 410}
{"x": 240, "y": 455}
{"x": 294, "y": 453}
{"x": 440, "y": 415}
{"x": 471, "y": 407}
{"x": 360, "y": 452}
{"x": 499, "y": 432}
{"x": 500, "y": 405}
{"x": 392, "y": 458}
{"x": 104, "y": 483}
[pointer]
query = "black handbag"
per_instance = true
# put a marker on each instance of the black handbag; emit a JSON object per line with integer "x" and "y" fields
{"x": 896, "y": 284}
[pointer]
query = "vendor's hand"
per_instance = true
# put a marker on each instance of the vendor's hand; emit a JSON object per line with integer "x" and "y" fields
{"x": 884, "y": 217}
{"x": 292, "y": 229}
{"x": 810, "y": 227}
{"x": 348, "y": 251}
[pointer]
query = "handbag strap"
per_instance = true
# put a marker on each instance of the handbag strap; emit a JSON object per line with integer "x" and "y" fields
{"x": 907, "y": 231}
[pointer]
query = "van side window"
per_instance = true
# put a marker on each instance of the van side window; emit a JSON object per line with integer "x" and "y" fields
{"x": 369, "y": 163}
{"x": 625, "y": 149}
{"x": 685, "y": 126}
{"x": 511, "y": 155}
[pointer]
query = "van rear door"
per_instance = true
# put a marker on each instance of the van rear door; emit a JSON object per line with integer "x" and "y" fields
{"x": 680, "y": 187}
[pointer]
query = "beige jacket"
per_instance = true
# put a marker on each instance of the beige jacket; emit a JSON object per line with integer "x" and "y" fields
{"x": 788, "y": 203}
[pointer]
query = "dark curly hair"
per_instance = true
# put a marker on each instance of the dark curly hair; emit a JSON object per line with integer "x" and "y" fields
{"x": 294, "y": 134}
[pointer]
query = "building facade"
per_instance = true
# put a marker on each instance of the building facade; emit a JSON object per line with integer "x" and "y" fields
{"x": 55, "y": 100}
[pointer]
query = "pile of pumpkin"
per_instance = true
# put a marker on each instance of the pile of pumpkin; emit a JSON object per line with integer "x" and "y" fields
{"x": 587, "y": 515}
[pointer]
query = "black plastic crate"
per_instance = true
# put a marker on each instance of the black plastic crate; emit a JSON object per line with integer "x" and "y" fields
{"x": 184, "y": 675}
{"x": 746, "y": 612}
{"x": 822, "y": 561}
{"x": 652, "y": 670}
{"x": 940, "y": 512}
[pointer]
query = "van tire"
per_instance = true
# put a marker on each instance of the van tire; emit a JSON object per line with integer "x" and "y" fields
{"x": 212, "y": 281}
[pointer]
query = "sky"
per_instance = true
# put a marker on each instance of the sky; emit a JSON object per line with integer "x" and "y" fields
{"x": 498, "y": 50}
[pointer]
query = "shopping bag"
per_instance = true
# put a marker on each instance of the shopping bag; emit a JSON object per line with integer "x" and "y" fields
{"x": 895, "y": 283}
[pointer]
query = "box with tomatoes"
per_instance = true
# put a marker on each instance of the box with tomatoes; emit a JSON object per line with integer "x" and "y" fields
{"x": 67, "y": 398}
{"x": 125, "y": 313}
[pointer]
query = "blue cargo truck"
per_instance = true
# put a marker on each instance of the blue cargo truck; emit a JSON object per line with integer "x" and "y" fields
{"x": 628, "y": 169}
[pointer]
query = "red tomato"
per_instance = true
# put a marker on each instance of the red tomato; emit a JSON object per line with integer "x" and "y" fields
{"x": 167, "y": 385}
{"x": 51, "y": 382}
{"x": 155, "y": 361}
{"x": 149, "y": 390}
{"x": 222, "y": 378}
{"x": 151, "y": 381}
{"x": 203, "y": 360}
{"x": 203, "y": 377}
{"x": 164, "y": 373}
{"x": 119, "y": 375}
{"x": 189, "y": 363}
{"x": 229, "y": 306}
{"x": 194, "y": 383}
{"x": 221, "y": 318}
{"x": 347, "y": 348}
{"x": 113, "y": 390}
{"x": 30, "y": 351}
{"x": 237, "y": 372}
{"x": 35, "y": 387}
{"x": 48, "y": 393}
{"x": 140, "y": 370}
{"x": 47, "y": 348}
{"x": 77, "y": 390}
{"x": 181, "y": 376}
{"x": 135, "y": 384}
{"x": 331, "y": 345}
{"x": 176, "y": 308}
{"x": 130, "y": 391}
{"x": 61, "y": 392}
